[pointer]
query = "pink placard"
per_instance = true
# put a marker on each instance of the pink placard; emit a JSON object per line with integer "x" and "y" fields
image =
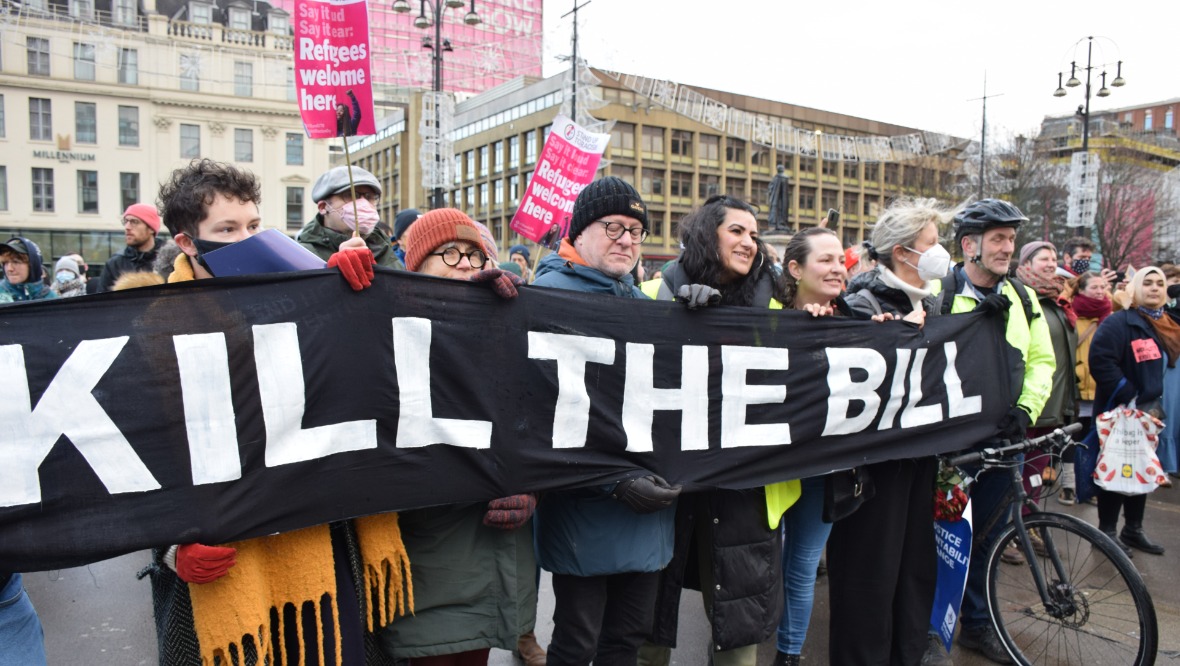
{"x": 567, "y": 164}
{"x": 333, "y": 86}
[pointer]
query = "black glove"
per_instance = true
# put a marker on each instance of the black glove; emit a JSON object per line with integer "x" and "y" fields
{"x": 994, "y": 303}
{"x": 698, "y": 295}
{"x": 646, "y": 494}
{"x": 1015, "y": 423}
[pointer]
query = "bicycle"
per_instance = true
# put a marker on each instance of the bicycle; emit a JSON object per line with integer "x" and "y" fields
{"x": 1084, "y": 601}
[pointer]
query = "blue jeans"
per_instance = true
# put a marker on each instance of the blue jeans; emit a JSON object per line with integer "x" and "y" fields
{"x": 21, "y": 638}
{"x": 986, "y": 494}
{"x": 804, "y": 536}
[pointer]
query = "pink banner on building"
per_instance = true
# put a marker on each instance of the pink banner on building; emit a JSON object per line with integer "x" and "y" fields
{"x": 333, "y": 86}
{"x": 567, "y": 164}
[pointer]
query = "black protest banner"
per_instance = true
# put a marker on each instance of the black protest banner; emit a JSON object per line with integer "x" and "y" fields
{"x": 219, "y": 410}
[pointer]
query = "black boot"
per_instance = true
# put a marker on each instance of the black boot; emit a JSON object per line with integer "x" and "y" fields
{"x": 1134, "y": 537}
{"x": 1113, "y": 537}
{"x": 784, "y": 659}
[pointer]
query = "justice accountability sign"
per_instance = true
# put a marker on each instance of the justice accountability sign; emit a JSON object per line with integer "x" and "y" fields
{"x": 568, "y": 163}
{"x": 333, "y": 86}
{"x": 225, "y": 409}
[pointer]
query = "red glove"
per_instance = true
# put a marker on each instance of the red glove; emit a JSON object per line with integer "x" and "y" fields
{"x": 509, "y": 513}
{"x": 355, "y": 265}
{"x": 196, "y": 563}
{"x": 503, "y": 282}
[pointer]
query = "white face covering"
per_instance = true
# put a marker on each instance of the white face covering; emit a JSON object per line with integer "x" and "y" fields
{"x": 933, "y": 264}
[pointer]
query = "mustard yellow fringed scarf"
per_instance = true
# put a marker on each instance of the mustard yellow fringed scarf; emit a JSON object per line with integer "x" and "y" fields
{"x": 297, "y": 568}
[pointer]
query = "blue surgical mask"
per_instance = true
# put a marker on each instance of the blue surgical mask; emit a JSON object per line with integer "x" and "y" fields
{"x": 65, "y": 276}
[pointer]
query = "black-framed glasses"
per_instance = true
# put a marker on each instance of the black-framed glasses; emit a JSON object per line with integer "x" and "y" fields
{"x": 615, "y": 230}
{"x": 370, "y": 196}
{"x": 452, "y": 256}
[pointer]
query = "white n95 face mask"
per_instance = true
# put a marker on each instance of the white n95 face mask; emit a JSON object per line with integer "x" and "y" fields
{"x": 932, "y": 264}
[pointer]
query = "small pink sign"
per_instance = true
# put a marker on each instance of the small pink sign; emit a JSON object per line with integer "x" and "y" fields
{"x": 567, "y": 164}
{"x": 333, "y": 86}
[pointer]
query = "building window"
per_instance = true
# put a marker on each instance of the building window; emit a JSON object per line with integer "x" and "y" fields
{"x": 87, "y": 191}
{"x": 1167, "y": 121}
{"x": 829, "y": 199}
{"x": 2, "y": 132}
{"x": 199, "y": 12}
{"x": 622, "y": 139}
{"x": 85, "y": 122}
{"x": 243, "y": 79}
{"x": 651, "y": 182}
{"x": 1147, "y": 122}
{"x": 513, "y": 152}
{"x": 626, "y": 173}
{"x": 735, "y": 151}
{"x": 40, "y": 119}
{"x": 83, "y": 61}
{"x": 278, "y": 23}
{"x": 806, "y": 165}
{"x": 513, "y": 190}
{"x": 469, "y": 157}
{"x": 850, "y": 170}
{"x": 530, "y": 146}
{"x": 708, "y": 185}
{"x": 829, "y": 167}
{"x": 190, "y": 72}
{"x": 190, "y": 141}
{"x": 709, "y": 149}
{"x": 498, "y": 194}
{"x": 82, "y": 9}
{"x": 806, "y": 198}
{"x": 42, "y": 190}
{"x": 498, "y": 157}
{"x": 128, "y": 189}
{"x": 291, "y": 84}
{"x": 294, "y": 208}
{"x": 652, "y": 142}
{"x": 483, "y": 161}
{"x": 243, "y": 145}
{"x": 735, "y": 187}
{"x": 681, "y": 143}
{"x": 872, "y": 172}
{"x": 38, "y": 50}
{"x": 483, "y": 197}
{"x": 126, "y": 12}
{"x": 129, "y": 66}
{"x": 128, "y": 126}
{"x": 239, "y": 18}
{"x": 294, "y": 149}
{"x": 3, "y": 187}
{"x": 681, "y": 185}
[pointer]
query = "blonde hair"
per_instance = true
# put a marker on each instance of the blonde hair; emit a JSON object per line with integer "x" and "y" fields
{"x": 900, "y": 225}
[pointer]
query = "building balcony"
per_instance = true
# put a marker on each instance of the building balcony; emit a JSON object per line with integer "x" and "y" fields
{"x": 215, "y": 33}
{"x": 120, "y": 20}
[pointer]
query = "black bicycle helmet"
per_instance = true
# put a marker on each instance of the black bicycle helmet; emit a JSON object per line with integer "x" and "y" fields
{"x": 986, "y": 214}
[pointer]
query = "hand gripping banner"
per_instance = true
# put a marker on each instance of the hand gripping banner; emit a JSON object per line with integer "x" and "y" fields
{"x": 225, "y": 409}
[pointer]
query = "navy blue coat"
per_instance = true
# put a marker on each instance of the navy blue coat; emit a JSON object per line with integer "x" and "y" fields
{"x": 1125, "y": 346}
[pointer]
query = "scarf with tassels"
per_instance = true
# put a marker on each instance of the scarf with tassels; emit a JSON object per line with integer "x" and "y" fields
{"x": 297, "y": 569}
{"x": 1050, "y": 288}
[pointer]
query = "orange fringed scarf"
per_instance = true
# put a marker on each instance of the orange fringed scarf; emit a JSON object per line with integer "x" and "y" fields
{"x": 297, "y": 568}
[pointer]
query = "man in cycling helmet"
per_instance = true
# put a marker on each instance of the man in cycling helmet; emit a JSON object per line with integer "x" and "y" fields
{"x": 985, "y": 232}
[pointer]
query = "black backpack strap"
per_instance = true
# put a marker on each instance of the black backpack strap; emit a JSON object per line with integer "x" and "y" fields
{"x": 946, "y": 295}
{"x": 1022, "y": 292}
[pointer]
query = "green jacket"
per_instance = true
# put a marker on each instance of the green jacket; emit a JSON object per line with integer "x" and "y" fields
{"x": 1033, "y": 374}
{"x": 324, "y": 243}
{"x": 474, "y": 586}
{"x": 1061, "y": 407}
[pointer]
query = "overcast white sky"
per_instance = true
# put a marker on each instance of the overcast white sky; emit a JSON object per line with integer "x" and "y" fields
{"x": 913, "y": 62}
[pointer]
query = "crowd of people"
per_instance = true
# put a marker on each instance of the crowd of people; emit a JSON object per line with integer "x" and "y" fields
{"x": 441, "y": 586}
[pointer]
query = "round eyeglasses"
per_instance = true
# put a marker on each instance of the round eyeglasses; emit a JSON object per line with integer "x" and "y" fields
{"x": 452, "y": 256}
{"x": 615, "y": 230}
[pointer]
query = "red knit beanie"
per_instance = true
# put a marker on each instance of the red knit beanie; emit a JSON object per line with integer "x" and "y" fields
{"x": 146, "y": 213}
{"x": 435, "y": 228}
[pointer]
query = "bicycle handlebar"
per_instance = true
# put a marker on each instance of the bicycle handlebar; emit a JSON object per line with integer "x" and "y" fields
{"x": 1019, "y": 447}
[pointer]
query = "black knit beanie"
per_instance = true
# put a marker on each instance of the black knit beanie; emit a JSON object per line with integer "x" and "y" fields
{"x": 606, "y": 196}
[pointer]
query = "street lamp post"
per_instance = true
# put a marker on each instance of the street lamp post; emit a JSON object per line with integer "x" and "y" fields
{"x": 1073, "y": 82}
{"x": 437, "y": 46}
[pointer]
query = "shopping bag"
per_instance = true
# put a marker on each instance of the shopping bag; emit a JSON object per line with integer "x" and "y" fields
{"x": 1126, "y": 460}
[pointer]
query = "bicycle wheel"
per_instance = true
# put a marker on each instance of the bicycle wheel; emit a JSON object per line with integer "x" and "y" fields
{"x": 1101, "y": 613}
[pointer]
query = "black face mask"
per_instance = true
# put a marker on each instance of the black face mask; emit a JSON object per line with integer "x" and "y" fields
{"x": 1080, "y": 266}
{"x": 203, "y": 247}
{"x": 1174, "y": 291}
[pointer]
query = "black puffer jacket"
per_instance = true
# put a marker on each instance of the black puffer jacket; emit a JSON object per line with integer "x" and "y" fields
{"x": 729, "y": 527}
{"x": 130, "y": 260}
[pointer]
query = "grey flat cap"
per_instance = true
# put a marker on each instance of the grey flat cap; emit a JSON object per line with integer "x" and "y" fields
{"x": 335, "y": 181}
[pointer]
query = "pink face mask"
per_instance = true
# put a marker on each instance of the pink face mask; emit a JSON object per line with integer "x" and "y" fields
{"x": 365, "y": 214}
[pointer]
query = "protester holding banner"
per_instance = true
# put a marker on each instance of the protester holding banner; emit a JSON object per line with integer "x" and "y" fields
{"x": 880, "y": 604}
{"x": 474, "y": 567}
{"x": 1130, "y": 352}
{"x": 985, "y": 232}
{"x": 336, "y": 217}
{"x": 732, "y": 535}
{"x": 814, "y": 274}
{"x": 604, "y": 545}
{"x": 214, "y": 601}
{"x": 23, "y": 272}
